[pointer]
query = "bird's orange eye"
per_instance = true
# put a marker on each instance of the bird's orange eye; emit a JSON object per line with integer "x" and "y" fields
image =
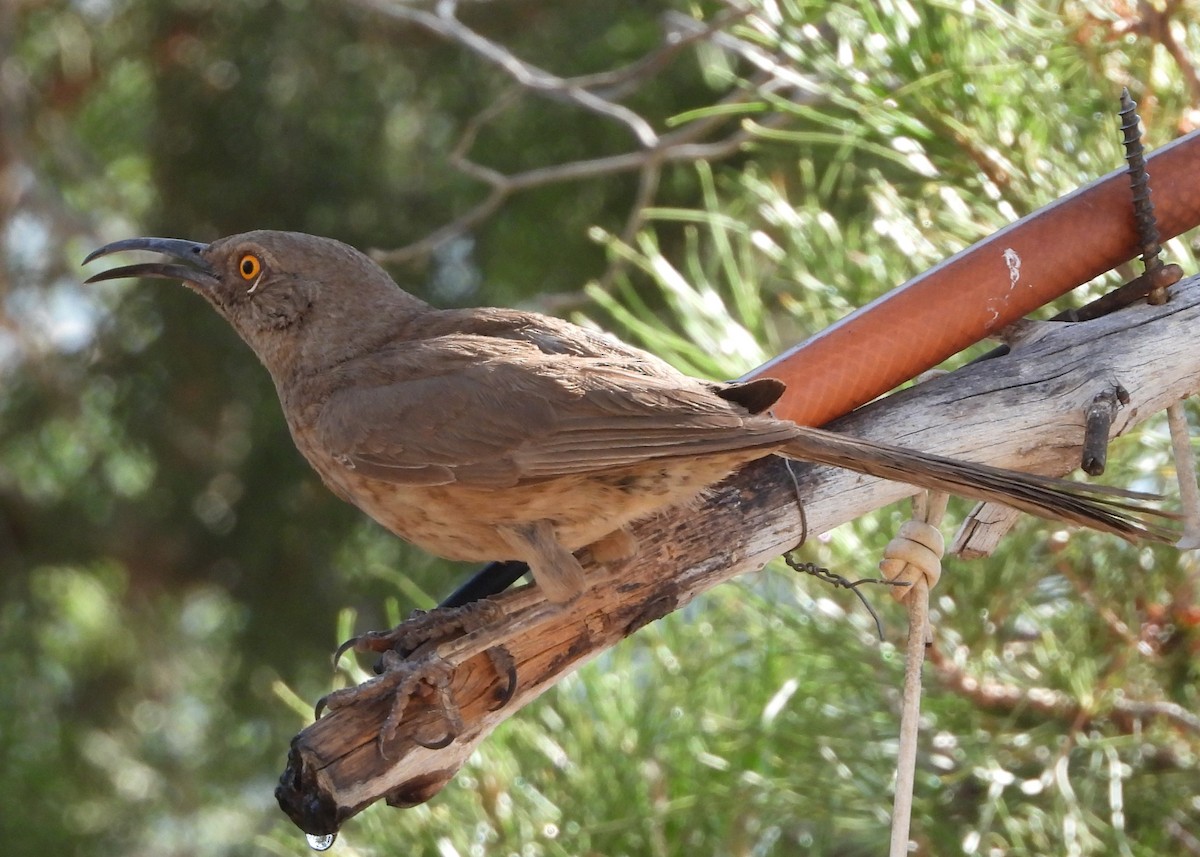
{"x": 249, "y": 266}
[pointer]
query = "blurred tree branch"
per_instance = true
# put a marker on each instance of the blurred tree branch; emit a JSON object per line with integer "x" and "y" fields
{"x": 1156, "y": 25}
{"x": 599, "y": 93}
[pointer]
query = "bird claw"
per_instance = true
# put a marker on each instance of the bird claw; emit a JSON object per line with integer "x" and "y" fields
{"x": 401, "y": 681}
{"x": 410, "y": 667}
{"x": 424, "y": 628}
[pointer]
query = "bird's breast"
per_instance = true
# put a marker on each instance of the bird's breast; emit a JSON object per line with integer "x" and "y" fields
{"x": 460, "y": 522}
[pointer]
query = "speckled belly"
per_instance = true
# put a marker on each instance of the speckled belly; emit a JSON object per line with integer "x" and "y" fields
{"x": 458, "y": 522}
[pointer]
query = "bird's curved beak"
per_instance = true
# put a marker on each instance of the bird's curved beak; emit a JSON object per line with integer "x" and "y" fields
{"x": 190, "y": 265}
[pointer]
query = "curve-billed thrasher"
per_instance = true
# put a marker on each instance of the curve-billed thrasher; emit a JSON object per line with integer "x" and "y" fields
{"x": 482, "y": 434}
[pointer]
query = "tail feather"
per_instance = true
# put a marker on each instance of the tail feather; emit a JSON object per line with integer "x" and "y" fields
{"x": 1100, "y": 507}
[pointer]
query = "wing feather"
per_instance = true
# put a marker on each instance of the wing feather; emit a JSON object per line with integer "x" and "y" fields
{"x": 493, "y": 413}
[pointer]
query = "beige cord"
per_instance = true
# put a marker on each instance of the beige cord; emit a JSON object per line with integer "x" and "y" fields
{"x": 913, "y": 557}
{"x": 1185, "y": 471}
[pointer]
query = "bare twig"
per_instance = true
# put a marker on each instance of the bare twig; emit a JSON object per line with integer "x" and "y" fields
{"x": 1156, "y": 26}
{"x": 680, "y": 146}
{"x": 444, "y": 24}
{"x": 1047, "y": 702}
{"x": 598, "y": 93}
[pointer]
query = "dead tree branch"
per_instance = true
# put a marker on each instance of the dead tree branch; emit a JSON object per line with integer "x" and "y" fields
{"x": 443, "y": 23}
{"x": 599, "y": 94}
{"x": 1128, "y": 714}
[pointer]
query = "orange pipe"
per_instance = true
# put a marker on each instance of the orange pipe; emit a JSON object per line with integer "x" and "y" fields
{"x": 981, "y": 289}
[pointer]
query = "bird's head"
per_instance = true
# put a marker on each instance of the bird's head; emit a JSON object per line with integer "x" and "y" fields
{"x": 290, "y": 296}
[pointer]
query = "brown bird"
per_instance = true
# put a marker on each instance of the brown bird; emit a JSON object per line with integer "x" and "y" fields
{"x": 482, "y": 434}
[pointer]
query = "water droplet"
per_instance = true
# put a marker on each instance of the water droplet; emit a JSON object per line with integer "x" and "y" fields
{"x": 320, "y": 843}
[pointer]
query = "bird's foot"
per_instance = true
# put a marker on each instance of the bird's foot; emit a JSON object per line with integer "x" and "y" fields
{"x": 411, "y": 667}
{"x": 402, "y": 680}
{"x": 425, "y": 629}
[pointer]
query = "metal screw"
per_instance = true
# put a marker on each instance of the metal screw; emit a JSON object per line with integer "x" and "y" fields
{"x": 1143, "y": 207}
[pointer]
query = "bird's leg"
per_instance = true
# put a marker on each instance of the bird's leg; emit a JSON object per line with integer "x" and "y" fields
{"x": 410, "y": 666}
{"x": 556, "y": 570}
{"x": 616, "y": 546}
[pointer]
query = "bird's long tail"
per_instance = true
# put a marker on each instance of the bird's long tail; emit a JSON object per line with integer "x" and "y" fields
{"x": 1100, "y": 507}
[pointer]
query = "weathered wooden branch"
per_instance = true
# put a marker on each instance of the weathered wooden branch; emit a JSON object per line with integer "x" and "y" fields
{"x": 1026, "y": 410}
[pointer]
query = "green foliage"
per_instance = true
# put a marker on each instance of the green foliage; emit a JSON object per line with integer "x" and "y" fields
{"x": 172, "y": 576}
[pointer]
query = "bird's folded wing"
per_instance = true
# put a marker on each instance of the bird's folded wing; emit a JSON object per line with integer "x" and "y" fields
{"x": 489, "y": 420}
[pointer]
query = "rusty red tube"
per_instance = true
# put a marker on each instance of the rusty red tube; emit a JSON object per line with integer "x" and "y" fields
{"x": 981, "y": 289}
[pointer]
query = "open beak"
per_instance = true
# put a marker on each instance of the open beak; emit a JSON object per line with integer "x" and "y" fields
{"x": 190, "y": 265}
